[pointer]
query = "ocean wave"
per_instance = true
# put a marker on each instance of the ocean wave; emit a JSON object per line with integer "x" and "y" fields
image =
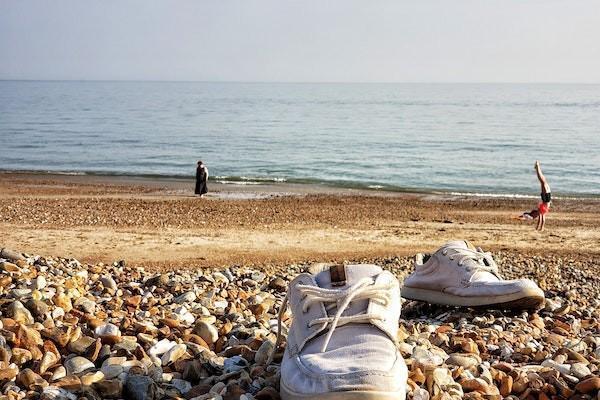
{"x": 511, "y": 195}
{"x": 496, "y": 195}
{"x": 333, "y": 183}
{"x": 261, "y": 179}
{"x": 239, "y": 182}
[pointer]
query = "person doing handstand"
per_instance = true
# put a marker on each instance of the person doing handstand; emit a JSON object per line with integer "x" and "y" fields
{"x": 544, "y": 207}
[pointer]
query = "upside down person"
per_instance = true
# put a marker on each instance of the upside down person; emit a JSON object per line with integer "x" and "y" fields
{"x": 544, "y": 207}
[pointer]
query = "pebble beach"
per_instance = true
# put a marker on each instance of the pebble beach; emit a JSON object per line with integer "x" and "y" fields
{"x": 72, "y": 330}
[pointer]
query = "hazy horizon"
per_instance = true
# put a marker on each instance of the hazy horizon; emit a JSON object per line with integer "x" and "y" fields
{"x": 306, "y": 82}
{"x": 349, "y": 41}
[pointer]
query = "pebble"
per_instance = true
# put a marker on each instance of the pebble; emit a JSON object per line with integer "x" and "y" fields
{"x": 19, "y": 313}
{"x": 77, "y": 365}
{"x": 173, "y": 354}
{"x": 207, "y": 332}
{"x": 187, "y": 297}
{"x": 589, "y": 385}
{"x": 140, "y": 387}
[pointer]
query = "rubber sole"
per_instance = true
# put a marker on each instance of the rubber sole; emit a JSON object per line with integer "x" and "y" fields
{"x": 349, "y": 395}
{"x": 530, "y": 300}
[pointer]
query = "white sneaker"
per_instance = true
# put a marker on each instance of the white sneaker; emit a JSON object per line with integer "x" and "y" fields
{"x": 342, "y": 341}
{"x": 458, "y": 274}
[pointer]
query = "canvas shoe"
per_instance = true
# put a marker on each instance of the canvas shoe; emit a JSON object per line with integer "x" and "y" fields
{"x": 458, "y": 274}
{"x": 342, "y": 340}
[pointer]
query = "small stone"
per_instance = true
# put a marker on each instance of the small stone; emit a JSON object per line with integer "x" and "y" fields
{"x": 478, "y": 385}
{"x": 258, "y": 276}
{"x": 278, "y": 284}
{"x": 108, "y": 282}
{"x": 81, "y": 345}
{"x": 111, "y": 371}
{"x": 86, "y": 305}
{"x": 9, "y": 373}
{"x": 173, "y": 354}
{"x": 17, "y": 311}
{"x": 58, "y": 373}
{"x": 506, "y": 385}
{"x": 420, "y": 394}
{"x": 77, "y": 365}
{"x": 109, "y": 389}
{"x": 267, "y": 393}
{"x": 264, "y": 352}
{"x": 30, "y": 380}
{"x": 551, "y": 305}
{"x": 139, "y": 387}
{"x": 133, "y": 301}
{"x": 56, "y": 393}
{"x": 181, "y": 385}
{"x": 426, "y": 357}
{"x": 69, "y": 382}
{"x": 48, "y": 360}
{"x": 39, "y": 283}
{"x": 158, "y": 281}
{"x": 109, "y": 333}
{"x": 562, "y": 368}
{"x": 187, "y": 297}
{"x": 39, "y": 309}
{"x": 21, "y": 356}
{"x": 234, "y": 364}
{"x": 589, "y": 385}
{"x": 9, "y": 267}
{"x": 161, "y": 347}
{"x": 207, "y": 332}
{"x": 464, "y": 360}
{"x": 11, "y": 255}
{"x": 63, "y": 301}
{"x": 91, "y": 378}
{"x": 580, "y": 370}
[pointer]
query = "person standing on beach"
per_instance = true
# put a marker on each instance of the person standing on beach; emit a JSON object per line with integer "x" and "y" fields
{"x": 544, "y": 207}
{"x": 201, "y": 179}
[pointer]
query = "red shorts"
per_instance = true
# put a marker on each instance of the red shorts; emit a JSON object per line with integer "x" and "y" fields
{"x": 543, "y": 208}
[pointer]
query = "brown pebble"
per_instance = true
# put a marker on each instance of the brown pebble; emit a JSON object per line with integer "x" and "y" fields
{"x": 506, "y": 385}
{"x": 267, "y": 393}
{"x": 589, "y": 385}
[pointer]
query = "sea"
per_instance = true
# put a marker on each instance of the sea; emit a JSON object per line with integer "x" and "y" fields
{"x": 475, "y": 139}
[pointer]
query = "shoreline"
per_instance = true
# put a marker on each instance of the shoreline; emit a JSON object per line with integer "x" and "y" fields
{"x": 249, "y": 188}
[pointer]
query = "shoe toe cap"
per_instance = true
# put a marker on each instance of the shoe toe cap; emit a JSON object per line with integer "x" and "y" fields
{"x": 356, "y": 359}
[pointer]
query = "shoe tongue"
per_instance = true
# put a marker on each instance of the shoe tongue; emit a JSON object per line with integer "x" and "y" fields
{"x": 353, "y": 273}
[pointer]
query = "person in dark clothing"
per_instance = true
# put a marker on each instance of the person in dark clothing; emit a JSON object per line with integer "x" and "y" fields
{"x": 201, "y": 178}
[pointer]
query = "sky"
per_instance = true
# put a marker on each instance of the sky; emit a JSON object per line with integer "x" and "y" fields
{"x": 302, "y": 41}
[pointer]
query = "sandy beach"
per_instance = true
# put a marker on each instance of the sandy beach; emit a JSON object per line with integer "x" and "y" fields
{"x": 159, "y": 222}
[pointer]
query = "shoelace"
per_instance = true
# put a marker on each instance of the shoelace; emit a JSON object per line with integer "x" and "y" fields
{"x": 477, "y": 255}
{"x": 340, "y": 298}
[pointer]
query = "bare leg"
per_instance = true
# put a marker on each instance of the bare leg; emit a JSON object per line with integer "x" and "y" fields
{"x": 541, "y": 178}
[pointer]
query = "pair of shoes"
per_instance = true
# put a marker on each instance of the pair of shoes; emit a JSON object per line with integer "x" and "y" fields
{"x": 342, "y": 342}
